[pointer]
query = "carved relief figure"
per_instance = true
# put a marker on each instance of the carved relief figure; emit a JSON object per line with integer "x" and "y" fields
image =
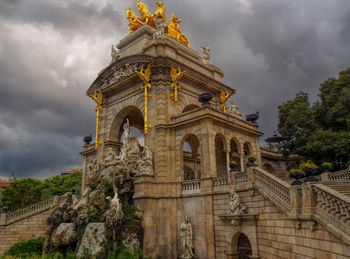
{"x": 145, "y": 163}
{"x": 161, "y": 26}
{"x": 186, "y": 238}
{"x": 126, "y": 128}
{"x": 206, "y": 55}
{"x": 235, "y": 207}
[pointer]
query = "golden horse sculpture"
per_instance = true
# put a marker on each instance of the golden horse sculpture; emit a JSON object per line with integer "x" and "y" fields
{"x": 171, "y": 30}
{"x": 224, "y": 95}
{"x": 134, "y": 23}
{"x": 174, "y": 31}
{"x": 146, "y": 17}
{"x": 175, "y": 75}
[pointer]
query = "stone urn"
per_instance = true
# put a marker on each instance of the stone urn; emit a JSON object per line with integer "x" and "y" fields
{"x": 205, "y": 98}
{"x": 310, "y": 173}
{"x": 296, "y": 175}
{"x": 251, "y": 160}
{"x": 233, "y": 166}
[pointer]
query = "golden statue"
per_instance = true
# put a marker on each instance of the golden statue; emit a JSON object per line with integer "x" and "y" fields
{"x": 146, "y": 17}
{"x": 97, "y": 97}
{"x": 160, "y": 12}
{"x": 145, "y": 77}
{"x": 134, "y": 23}
{"x": 224, "y": 95}
{"x": 174, "y": 31}
{"x": 175, "y": 74}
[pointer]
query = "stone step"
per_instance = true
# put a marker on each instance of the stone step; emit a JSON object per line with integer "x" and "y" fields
{"x": 342, "y": 187}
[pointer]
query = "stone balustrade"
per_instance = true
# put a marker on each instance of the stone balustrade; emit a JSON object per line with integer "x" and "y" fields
{"x": 334, "y": 208}
{"x": 191, "y": 187}
{"x": 240, "y": 177}
{"x": 337, "y": 176}
{"x": 220, "y": 183}
{"x": 272, "y": 186}
{"x": 11, "y": 217}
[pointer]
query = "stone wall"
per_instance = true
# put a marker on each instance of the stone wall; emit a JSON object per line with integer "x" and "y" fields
{"x": 32, "y": 227}
{"x": 276, "y": 236}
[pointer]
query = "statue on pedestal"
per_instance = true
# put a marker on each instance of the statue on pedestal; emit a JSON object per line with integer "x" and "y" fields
{"x": 206, "y": 55}
{"x": 186, "y": 238}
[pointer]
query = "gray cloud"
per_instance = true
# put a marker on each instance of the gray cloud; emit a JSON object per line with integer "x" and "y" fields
{"x": 50, "y": 52}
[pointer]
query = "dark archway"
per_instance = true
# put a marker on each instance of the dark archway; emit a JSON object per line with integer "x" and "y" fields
{"x": 244, "y": 248}
{"x": 269, "y": 168}
{"x": 221, "y": 166}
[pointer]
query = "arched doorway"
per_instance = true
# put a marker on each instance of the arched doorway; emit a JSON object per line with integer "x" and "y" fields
{"x": 221, "y": 166}
{"x": 244, "y": 248}
{"x": 191, "y": 158}
{"x": 234, "y": 152}
{"x": 135, "y": 117}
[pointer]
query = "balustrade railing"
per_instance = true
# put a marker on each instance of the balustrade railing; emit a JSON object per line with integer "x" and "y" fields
{"x": 190, "y": 187}
{"x": 273, "y": 187}
{"x": 27, "y": 211}
{"x": 241, "y": 177}
{"x": 334, "y": 209}
{"x": 220, "y": 183}
{"x": 338, "y": 176}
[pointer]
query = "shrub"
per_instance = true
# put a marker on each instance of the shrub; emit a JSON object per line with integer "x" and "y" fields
{"x": 26, "y": 248}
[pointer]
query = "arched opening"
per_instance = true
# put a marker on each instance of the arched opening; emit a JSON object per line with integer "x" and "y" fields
{"x": 191, "y": 158}
{"x": 244, "y": 248}
{"x": 247, "y": 152}
{"x": 269, "y": 168}
{"x": 135, "y": 117}
{"x": 234, "y": 152}
{"x": 190, "y": 107}
{"x": 221, "y": 166}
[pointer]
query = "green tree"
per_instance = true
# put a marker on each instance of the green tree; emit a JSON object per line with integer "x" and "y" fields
{"x": 21, "y": 193}
{"x": 319, "y": 132}
{"x": 24, "y": 192}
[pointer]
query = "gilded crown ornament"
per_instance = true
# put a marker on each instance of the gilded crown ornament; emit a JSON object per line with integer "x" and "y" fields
{"x": 172, "y": 28}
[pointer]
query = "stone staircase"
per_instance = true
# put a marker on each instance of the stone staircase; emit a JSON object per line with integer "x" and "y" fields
{"x": 342, "y": 187}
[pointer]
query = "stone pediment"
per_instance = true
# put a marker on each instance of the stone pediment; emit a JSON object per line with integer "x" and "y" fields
{"x": 118, "y": 70}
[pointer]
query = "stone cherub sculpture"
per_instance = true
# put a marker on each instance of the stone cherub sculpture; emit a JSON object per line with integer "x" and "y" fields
{"x": 186, "y": 238}
{"x": 206, "y": 55}
{"x": 114, "y": 54}
{"x": 233, "y": 109}
{"x": 235, "y": 207}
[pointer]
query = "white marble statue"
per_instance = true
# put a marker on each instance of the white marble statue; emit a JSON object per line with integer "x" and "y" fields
{"x": 110, "y": 157}
{"x": 126, "y": 128}
{"x": 114, "y": 54}
{"x": 186, "y": 238}
{"x": 145, "y": 163}
{"x": 159, "y": 32}
{"x": 206, "y": 55}
{"x": 233, "y": 110}
{"x": 114, "y": 215}
{"x": 235, "y": 207}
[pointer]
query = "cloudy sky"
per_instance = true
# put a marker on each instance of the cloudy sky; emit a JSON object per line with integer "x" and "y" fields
{"x": 51, "y": 51}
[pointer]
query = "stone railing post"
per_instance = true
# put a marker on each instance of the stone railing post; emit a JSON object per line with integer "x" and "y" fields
{"x": 296, "y": 199}
{"x": 2, "y": 218}
{"x": 324, "y": 176}
{"x": 251, "y": 176}
{"x": 309, "y": 198}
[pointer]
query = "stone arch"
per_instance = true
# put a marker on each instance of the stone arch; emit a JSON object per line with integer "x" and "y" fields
{"x": 235, "y": 151}
{"x": 220, "y": 155}
{"x": 269, "y": 168}
{"x": 186, "y": 100}
{"x": 190, "y": 107}
{"x": 239, "y": 239}
{"x": 195, "y": 158}
{"x": 135, "y": 117}
{"x": 247, "y": 148}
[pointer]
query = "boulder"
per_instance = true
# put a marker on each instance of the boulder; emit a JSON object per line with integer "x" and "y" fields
{"x": 94, "y": 241}
{"x": 65, "y": 234}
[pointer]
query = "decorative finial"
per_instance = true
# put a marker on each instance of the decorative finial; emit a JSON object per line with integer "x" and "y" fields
{"x": 114, "y": 54}
{"x": 206, "y": 55}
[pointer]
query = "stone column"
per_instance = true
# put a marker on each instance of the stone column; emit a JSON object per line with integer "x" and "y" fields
{"x": 241, "y": 156}
{"x": 227, "y": 151}
{"x": 194, "y": 156}
{"x": 2, "y": 219}
{"x": 309, "y": 198}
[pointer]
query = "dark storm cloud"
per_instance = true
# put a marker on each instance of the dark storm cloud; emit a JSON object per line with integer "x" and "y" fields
{"x": 50, "y": 52}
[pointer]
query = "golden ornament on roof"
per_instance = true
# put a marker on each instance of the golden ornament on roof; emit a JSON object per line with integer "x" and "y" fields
{"x": 172, "y": 28}
{"x": 224, "y": 95}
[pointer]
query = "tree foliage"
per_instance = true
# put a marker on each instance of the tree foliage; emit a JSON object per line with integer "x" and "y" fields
{"x": 319, "y": 132}
{"x": 23, "y": 192}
